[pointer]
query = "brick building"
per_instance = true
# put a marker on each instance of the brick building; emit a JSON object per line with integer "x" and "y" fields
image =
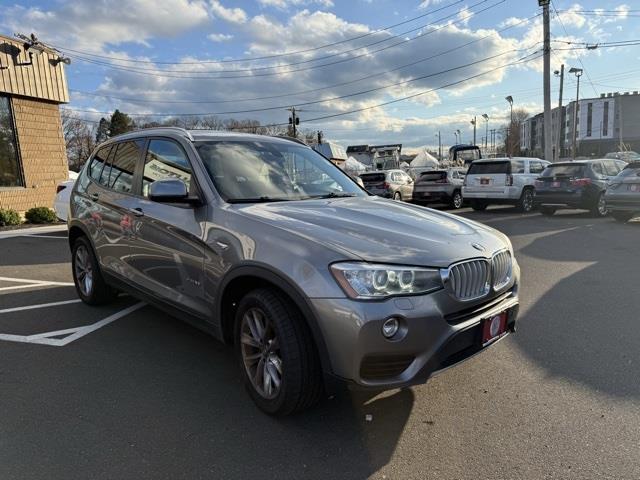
{"x": 32, "y": 149}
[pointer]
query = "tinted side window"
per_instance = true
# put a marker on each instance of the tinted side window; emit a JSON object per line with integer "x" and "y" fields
{"x": 596, "y": 167}
{"x": 165, "y": 159}
{"x": 536, "y": 167}
{"x": 98, "y": 164}
{"x": 123, "y": 166}
{"x": 517, "y": 166}
{"x": 485, "y": 168}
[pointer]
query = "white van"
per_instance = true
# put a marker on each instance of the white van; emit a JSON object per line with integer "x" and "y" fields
{"x": 508, "y": 181}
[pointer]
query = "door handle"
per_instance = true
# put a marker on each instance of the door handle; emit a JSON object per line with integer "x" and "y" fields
{"x": 138, "y": 212}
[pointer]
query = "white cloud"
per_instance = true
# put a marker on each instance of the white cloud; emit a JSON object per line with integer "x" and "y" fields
{"x": 231, "y": 15}
{"x": 88, "y": 26}
{"x": 513, "y": 21}
{"x": 219, "y": 37}
{"x": 286, "y": 4}
{"x": 428, "y": 3}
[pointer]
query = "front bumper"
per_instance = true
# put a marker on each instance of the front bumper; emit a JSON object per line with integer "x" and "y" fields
{"x": 437, "y": 332}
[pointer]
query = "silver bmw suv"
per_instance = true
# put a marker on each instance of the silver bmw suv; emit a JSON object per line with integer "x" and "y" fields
{"x": 270, "y": 247}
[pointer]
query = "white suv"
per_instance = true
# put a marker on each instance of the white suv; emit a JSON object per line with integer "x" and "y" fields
{"x": 503, "y": 181}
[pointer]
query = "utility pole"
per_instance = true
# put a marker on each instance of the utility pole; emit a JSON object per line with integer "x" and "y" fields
{"x": 294, "y": 121}
{"x": 439, "y": 146}
{"x": 507, "y": 146}
{"x": 319, "y": 137}
{"x": 560, "y": 116}
{"x": 548, "y": 147}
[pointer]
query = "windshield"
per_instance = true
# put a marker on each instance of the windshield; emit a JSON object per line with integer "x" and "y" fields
{"x": 258, "y": 171}
{"x": 574, "y": 170}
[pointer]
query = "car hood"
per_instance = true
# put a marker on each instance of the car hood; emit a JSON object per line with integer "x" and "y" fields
{"x": 379, "y": 230}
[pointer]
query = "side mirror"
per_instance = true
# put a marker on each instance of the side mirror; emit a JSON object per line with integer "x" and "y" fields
{"x": 170, "y": 190}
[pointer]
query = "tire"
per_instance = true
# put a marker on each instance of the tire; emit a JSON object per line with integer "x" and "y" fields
{"x": 525, "y": 204}
{"x": 456, "y": 200}
{"x": 87, "y": 277}
{"x": 547, "y": 211}
{"x": 397, "y": 196}
{"x": 621, "y": 216}
{"x": 478, "y": 205}
{"x": 599, "y": 209}
{"x": 265, "y": 318}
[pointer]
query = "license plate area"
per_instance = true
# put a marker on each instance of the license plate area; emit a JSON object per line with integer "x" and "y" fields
{"x": 494, "y": 327}
{"x": 484, "y": 181}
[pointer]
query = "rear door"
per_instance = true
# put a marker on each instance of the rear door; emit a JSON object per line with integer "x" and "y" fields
{"x": 488, "y": 177}
{"x": 168, "y": 255}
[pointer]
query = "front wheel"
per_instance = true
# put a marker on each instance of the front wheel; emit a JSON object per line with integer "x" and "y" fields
{"x": 278, "y": 361}
{"x": 600, "y": 207}
{"x": 525, "y": 204}
{"x": 456, "y": 200}
{"x": 478, "y": 205}
{"x": 622, "y": 216}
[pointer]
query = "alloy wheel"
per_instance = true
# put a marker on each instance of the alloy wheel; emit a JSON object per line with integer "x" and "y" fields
{"x": 602, "y": 206}
{"x": 261, "y": 353}
{"x": 527, "y": 201}
{"x": 457, "y": 200}
{"x": 83, "y": 270}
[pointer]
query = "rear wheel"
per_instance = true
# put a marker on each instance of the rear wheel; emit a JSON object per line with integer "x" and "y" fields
{"x": 548, "y": 211}
{"x": 397, "y": 196}
{"x": 600, "y": 207}
{"x": 525, "y": 204}
{"x": 277, "y": 357}
{"x": 90, "y": 285}
{"x": 478, "y": 205}
{"x": 622, "y": 216}
{"x": 456, "y": 200}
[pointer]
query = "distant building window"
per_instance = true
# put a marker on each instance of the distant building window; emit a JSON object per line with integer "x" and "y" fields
{"x": 605, "y": 119}
{"x": 589, "y": 118}
{"x": 10, "y": 171}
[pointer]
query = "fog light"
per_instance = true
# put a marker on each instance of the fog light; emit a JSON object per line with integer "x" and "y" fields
{"x": 390, "y": 327}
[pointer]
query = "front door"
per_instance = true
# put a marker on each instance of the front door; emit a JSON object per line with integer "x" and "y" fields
{"x": 168, "y": 257}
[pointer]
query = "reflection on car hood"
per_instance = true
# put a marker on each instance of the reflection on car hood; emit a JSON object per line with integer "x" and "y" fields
{"x": 379, "y": 230}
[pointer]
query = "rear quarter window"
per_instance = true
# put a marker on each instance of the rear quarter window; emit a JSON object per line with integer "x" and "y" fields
{"x": 372, "y": 177}
{"x": 489, "y": 168}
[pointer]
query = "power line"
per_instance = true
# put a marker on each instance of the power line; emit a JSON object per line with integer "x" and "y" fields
{"x": 290, "y": 94}
{"x": 340, "y": 97}
{"x": 266, "y": 57}
{"x": 525, "y": 59}
{"x": 199, "y": 75}
{"x": 584, "y": 69}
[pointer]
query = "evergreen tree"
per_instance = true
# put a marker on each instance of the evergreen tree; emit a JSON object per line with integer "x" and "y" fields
{"x": 102, "y": 132}
{"x": 120, "y": 123}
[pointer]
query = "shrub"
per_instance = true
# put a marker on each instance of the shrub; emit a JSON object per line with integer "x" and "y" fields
{"x": 9, "y": 217}
{"x": 41, "y": 215}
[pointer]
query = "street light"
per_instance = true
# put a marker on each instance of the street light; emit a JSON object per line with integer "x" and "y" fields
{"x": 509, "y": 99}
{"x": 486, "y": 130}
{"x": 578, "y": 73}
{"x": 439, "y": 146}
{"x": 456, "y": 135}
{"x": 473, "y": 122}
{"x": 459, "y": 136}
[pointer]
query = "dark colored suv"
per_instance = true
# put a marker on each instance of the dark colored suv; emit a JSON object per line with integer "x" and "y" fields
{"x": 580, "y": 184}
{"x": 269, "y": 246}
{"x": 623, "y": 194}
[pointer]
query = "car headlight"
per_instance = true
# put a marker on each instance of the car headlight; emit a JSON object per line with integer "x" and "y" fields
{"x": 373, "y": 281}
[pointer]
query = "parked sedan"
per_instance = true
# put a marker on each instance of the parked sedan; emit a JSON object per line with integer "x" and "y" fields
{"x": 63, "y": 192}
{"x": 439, "y": 186}
{"x": 389, "y": 184}
{"x": 580, "y": 184}
{"x": 623, "y": 194}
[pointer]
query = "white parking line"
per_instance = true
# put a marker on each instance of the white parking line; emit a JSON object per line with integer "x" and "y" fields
{"x": 42, "y": 305}
{"x": 73, "y": 334}
{"x": 31, "y": 283}
{"x": 41, "y": 236}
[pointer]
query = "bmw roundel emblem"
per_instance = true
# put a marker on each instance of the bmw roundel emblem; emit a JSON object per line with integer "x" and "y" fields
{"x": 478, "y": 247}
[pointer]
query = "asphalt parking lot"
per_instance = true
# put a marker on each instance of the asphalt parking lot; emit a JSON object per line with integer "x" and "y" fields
{"x": 126, "y": 391}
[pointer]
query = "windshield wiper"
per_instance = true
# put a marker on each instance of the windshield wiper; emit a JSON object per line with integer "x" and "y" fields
{"x": 263, "y": 199}
{"x": 335, "y": 195}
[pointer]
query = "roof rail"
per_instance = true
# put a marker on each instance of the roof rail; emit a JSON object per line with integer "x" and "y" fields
{"x": 180, "y": 130}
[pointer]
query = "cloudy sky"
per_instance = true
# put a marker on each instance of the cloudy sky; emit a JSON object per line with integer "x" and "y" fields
{"x": 405, "y": 69}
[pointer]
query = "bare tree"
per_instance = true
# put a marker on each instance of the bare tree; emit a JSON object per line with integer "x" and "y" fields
{"x": 513, "y": 129}
{"x": 79, "y": 139}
